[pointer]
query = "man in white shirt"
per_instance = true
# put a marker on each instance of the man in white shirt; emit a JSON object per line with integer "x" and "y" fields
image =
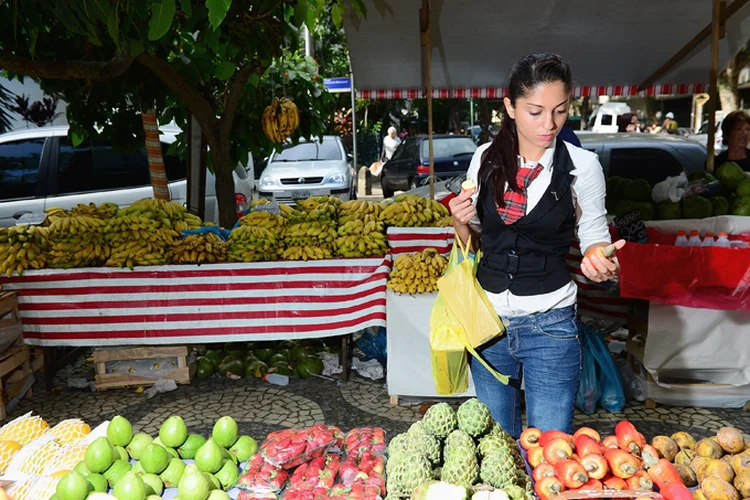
{"x": 390, "y": 143}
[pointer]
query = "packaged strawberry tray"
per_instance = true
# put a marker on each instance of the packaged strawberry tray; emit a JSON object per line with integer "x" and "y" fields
{"x": 289, "y": 448}
{"x": 261, "y": 478}
{"x": 365, "y": 440}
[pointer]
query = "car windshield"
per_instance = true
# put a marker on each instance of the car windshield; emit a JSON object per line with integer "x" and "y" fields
{"x": 309, "y": 151}
{"x": 449, "y": 147}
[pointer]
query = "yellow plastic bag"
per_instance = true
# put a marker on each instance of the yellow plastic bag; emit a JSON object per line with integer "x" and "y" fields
{"x": 466, "y": 298}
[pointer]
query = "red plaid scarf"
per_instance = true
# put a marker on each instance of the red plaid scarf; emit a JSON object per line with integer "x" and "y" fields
{"x": 515, "y": 203}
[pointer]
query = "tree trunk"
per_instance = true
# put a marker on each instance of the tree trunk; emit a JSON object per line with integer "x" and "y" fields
{"x": 223, "y": 168}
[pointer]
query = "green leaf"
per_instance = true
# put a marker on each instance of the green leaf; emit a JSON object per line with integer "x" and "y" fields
{"x": 162, "y": 16}
{"x": 186, "y": 8}
{"x": 300, "y": 13}
{"x": 292, "y": 75}
{"x": 77, "y": 137}
{"x": 113, "y": 26}
{"x": 337, "y": 15}
{"x": 225, "y": 70}
{"x": 254, "y": 80}
{"x": 136, "y": 48}
{"x": 217, "y": 11}
{"x": 212, "y": 40}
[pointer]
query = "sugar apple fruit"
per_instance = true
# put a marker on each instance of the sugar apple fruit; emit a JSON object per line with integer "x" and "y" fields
{"x": 474, "y": 417}
{"x": 409, "y": 473}
{"x": 440, "y": 420}
{"x": 398, "y": 443}
{"x": 459, "y": 439}
{"x": 416, "y": 429}
{"x": 461, "y": 472}
{"x": 498, "y": 469}
{"x": 428, "y": 446}
{"x": 490, "y": 444}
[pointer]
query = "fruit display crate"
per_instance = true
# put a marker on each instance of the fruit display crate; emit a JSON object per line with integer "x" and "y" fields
{"x": 176, "y": 358}
{"x": 190, "y": 304}
{"x": 15, "y": 374}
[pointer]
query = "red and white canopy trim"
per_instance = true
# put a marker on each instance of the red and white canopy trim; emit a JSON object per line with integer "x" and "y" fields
{"x": 497, "y": 93}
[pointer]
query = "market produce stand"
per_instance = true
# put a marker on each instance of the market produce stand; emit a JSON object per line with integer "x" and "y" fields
{"x": 189, "y": 304}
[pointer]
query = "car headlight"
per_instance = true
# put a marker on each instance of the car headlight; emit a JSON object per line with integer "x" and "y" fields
{"x": 268, "y": 182}
{"x": 337, "y": 178}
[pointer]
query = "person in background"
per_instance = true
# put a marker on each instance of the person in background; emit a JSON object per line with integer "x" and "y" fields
{"x": 736, "y": 134}
{"x": 390, "y": 143}
{"x": 670, "y": 124}
{"x": 535, "y": 193}
{"x": 404, "y": 134}
{"x": 623, "y": 122}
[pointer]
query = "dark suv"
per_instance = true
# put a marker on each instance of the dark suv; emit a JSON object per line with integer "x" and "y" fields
{"x": 410, "y": 164}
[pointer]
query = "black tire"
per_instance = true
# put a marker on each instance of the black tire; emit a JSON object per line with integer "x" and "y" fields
{"x": 387, "y": 192}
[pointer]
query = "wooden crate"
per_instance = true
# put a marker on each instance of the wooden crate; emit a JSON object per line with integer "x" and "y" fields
{"x": 105, "y": 380}
{"x": 15, "y": 370}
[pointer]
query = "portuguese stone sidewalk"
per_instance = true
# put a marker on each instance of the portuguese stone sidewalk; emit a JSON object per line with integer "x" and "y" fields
{"x": 260, "y": 408}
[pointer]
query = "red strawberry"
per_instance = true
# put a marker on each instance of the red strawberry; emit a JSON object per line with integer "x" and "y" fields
{"x": 348, "y": 472}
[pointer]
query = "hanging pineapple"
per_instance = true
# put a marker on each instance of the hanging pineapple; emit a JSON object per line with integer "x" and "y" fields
{"x": 280, "y": 119}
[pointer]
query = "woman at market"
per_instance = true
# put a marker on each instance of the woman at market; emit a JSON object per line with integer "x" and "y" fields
{"x": 390, "y": 143}
{"x": 736, "y": 133}
{"x": 535, "y": 192}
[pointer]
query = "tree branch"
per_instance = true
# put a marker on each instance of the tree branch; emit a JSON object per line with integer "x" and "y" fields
{"x": 66, "y": 70}
{"x": 197, "y": 104}
{"x": 235, "y": 93}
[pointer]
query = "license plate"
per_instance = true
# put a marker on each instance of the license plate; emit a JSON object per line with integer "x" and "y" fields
{"x": 300, "y": 195}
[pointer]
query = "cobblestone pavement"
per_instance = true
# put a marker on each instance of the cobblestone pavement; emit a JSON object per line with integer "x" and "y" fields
{"x": 260, "y": 408}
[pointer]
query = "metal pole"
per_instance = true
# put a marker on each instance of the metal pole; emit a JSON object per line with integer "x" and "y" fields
{"x": 471, "y": 115}
{"x": 309, "y": 47}
{"x": 428, "y": 58}
{"x": 713, "y": 76}
{"x": 354, "y": 127}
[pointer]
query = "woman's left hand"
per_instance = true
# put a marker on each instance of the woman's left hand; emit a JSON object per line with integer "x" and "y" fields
{"x": 597, "y": 267}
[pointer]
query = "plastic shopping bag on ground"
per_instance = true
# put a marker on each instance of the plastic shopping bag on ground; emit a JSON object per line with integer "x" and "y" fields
{"x": 589, "y": 390}
{"x": 466, "y": 298}
{"x": 613, "y": 394}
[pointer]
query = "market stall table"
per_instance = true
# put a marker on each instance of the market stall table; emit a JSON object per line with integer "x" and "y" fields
{"x": 232, "y": 302}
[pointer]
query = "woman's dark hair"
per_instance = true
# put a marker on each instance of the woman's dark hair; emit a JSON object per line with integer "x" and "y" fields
{"x": 731, "y": 121}
{"x": 500, "y": 161}
{"x": 624, "y": 121}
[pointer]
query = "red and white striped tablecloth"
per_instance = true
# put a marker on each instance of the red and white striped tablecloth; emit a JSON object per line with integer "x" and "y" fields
{"x": 415, "y": 239}
{"x": 197, "y": 304}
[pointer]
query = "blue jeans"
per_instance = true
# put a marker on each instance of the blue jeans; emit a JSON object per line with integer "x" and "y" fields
{"x": 545, "y": 350}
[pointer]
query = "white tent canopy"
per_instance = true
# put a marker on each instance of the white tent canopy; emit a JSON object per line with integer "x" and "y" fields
{"x": 613, "y": 46}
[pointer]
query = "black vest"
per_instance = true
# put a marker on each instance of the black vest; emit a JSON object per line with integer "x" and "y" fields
{"x": 528, "y": 257}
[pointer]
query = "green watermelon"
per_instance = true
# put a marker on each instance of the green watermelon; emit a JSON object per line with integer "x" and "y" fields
{"x": 215, "y": 357}
{"x": 205, "y": 367}
{"x": 282, "y": 369}
{"x": 287, "y": 353}
{"x": 720, "y": 205}
{"x": 232, "y": 365}
{"x": 288, "y": 344}
{"x": 249, "y": 359}
{"x": 263, "y": 354}
{"x": 300, "y": 352}
{"x": 309, "y": 366}
{"x": 277, "y": 358}
{"x": 257, "y": 369}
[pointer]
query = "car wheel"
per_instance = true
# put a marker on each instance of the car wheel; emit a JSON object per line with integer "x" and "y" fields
{"x": 387, "y": 192}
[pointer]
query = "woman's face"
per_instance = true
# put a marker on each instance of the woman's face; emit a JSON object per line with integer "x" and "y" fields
{"x": 540, "y": 114}
{"x": 740, "y": 135}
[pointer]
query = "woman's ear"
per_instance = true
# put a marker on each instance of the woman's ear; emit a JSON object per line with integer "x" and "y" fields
{"x": 509, "y": 108}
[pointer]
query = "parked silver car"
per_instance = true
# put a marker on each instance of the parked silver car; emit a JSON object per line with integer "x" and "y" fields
{"x": 310, "y": 168}
{"x": 40, "y": 168}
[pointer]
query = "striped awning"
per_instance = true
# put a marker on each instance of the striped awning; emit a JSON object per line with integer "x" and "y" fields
{"x": 612, "y": 46}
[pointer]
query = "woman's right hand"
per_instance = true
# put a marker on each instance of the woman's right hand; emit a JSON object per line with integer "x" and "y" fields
{"x": 462, "y": 208}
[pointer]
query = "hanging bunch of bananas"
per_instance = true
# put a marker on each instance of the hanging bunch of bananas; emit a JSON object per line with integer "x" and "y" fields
{"x": 103, "y": 211}
{"x": 253, "y": 243}
{"x": 359, "y": 239}
{"x": 410, "y": 210}
{"x": 418, "y": 272}
{"x": 78, "y": 239}
{"x": 366, "y": 211}
{"x": 23, "y": 247}
{"x": 197, "y": 249}
{"x": 259, "y": 237}
{"x": 280, "y": 119}
{"x": 141, "y": 234}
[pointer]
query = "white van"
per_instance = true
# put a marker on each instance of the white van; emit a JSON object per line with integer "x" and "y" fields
{"x": 605, "y": 118}
{"x": 40, "y": 168}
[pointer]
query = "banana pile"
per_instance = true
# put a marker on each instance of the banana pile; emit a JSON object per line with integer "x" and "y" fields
{"x": 418, "y": 272}
{"x": 78, "y": 239}
{"x": 280, "y": 119}
{"x": 23, "y": 247}
{"x": 359, "y": 239}
{"x": 410, "y": 210}
{"x": 258, "y": 237}
{"x": 103, "y": 211}
{"x": 311, "y": 228}
{"x": 366, "y": 211}
{"x": 197, "y": 249}
{"x": 446, "y": 221}
{"x": 141, "y": 234}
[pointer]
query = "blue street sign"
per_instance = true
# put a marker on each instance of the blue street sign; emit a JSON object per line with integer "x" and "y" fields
{"x": 334, "y": 85}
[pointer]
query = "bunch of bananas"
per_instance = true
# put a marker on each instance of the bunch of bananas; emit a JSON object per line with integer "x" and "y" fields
{"x": 78, "y": 239}
{"x": 274, "y": 223}
{"x": 253, "y": 243}
{"x": 141, "y": 234}
{"x": 417, "y": 273}
{"x": 103, "y": 211}
{"x": 322, "y": 209}
{"x": 191, "y": 221}
{"x": 446, "y": 221}
{"x": 310, "y": 234}
{"x": 410, "y": 210}
{"x": 306, "y": 253}
{"x": 366, "y": 211}
{"x": 198, "y": 248}
{"x": 360, "y": 239}
{"x": 23, "y": 247}
{"x": 280, "y": 119}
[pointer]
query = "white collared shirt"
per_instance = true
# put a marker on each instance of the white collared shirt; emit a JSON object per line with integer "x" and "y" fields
{"x": 589, "y": 192}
